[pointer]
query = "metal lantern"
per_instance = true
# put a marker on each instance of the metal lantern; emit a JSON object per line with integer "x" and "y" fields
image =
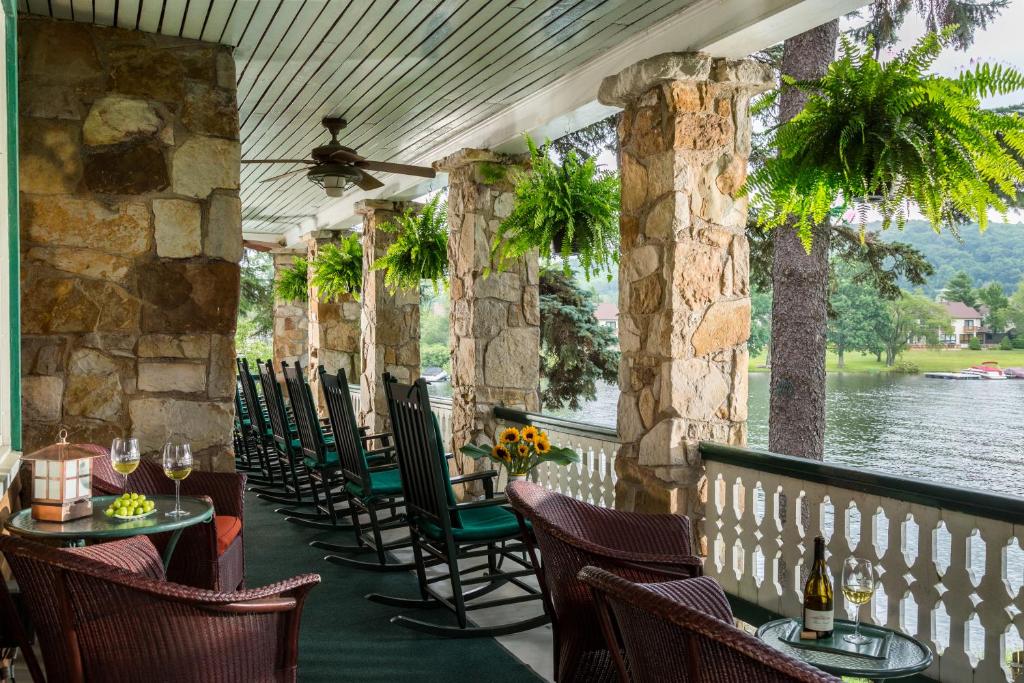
{"x": 62, "y": 480}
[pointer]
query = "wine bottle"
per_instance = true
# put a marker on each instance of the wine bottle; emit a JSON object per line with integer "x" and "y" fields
{"x": 818, "y": 602}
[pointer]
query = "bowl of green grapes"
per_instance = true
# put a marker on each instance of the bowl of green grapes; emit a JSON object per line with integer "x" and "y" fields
{"x": 130, "y": 506}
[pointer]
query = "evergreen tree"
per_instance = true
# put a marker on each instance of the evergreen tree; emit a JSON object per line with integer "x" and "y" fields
{"x": 576, "y": 351}
{"x": 961, "y": 288}
{"x": 995, "y": 299}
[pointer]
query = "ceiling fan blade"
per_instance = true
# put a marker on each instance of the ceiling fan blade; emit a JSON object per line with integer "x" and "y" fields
{"x": 278, "y": 161}
{"x": 284, "y": 175}
{"x": 368, "y": 182}
{"x": 404, "y": 169}
{"x": 346, "y": 155}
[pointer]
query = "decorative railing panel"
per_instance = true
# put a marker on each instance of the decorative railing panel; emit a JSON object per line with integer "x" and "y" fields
{"x": 950, "y": 561}
{"x": 593, "y": 478}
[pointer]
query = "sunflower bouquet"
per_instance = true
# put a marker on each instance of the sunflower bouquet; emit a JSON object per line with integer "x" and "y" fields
{"x": 519, "y": 451}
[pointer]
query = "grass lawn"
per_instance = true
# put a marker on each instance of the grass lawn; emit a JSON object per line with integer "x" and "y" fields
{"x": 926, "y": 360}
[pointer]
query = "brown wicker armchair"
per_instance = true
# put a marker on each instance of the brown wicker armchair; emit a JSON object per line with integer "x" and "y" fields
{"x": 207, "y": 555}
{"x": 572, "y": 534}
{"x": 683, "y": 632}
{"x": 104, "y": 613}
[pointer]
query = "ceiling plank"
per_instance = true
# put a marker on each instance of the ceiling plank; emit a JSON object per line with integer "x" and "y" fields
{"x": 128, "y": 14}
{"x": 149, "y": 19}
{"x": 103, "y": 12}
{"x": 217, "y": 19}
{"x": 195, "y": 18}
{"x": 282, "y": 26}
{"x": 61, "y": 9}
{"x": 173, "y": 18}
{"x": 241, "y": 13}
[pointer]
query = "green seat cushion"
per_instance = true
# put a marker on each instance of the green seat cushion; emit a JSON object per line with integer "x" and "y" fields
{"x": 330, "y": 458}
{"x": 479, "y": 524}
{"x": 383, "y": 483}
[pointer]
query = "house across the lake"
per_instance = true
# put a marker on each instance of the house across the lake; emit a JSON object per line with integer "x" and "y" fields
{"x": 607, "y": 314}
{"x": 966, "y": 322}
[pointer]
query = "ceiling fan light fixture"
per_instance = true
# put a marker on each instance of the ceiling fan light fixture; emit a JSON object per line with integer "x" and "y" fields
{"x": 334, "y": 178}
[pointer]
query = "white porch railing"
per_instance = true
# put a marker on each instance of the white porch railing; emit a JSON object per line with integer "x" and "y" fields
{"x": 950, "y": 560}
{"x": 593, "y": 478}
{"x": 441, "y": 406}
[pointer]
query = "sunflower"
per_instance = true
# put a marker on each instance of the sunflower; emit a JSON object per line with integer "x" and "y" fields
{"x": 500, "y": 452}
{"x": 543, "y": 446}
{"x": 530, "y": 433}
{"x": 524, "y": 450}
{"x": 510, "y": 435}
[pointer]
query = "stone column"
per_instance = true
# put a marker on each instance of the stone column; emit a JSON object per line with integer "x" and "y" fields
{"x": 131, "y": 234}
{"x": 333, "y": 328}
{"x": 390, "y": 321}
{"x": 291, "y": 321}
{"x": 684, "y": 300}
{"x": 495, "y": 318}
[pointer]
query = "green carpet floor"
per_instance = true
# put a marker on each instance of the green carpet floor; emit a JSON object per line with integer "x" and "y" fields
{"x": 344, "y": 637}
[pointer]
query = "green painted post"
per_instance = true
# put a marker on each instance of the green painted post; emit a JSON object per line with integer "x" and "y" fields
{"x": 13, "y": 231}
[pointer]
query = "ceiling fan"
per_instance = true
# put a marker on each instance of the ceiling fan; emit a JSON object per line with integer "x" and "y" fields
{"x": 335, "y": 167}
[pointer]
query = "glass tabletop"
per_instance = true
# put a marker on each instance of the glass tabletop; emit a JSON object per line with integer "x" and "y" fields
{"x": 99, "y": 526}
{"x": 907, "y": 656}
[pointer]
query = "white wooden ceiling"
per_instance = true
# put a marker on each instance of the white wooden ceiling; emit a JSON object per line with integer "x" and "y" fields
{"x": 405, "y": 73}
{"x": 411, "y": 76}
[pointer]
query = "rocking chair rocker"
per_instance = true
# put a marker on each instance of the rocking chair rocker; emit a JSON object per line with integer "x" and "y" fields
{"x": 444, "y": 531}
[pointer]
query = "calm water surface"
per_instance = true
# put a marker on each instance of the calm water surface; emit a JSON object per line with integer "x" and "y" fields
{"x": 968, "y": 432}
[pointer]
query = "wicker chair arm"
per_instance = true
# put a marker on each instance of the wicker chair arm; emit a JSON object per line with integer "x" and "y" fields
{"x": 265, "y": 606}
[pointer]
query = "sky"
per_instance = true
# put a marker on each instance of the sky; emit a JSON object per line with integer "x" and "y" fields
{"x": 1001, "y": 42}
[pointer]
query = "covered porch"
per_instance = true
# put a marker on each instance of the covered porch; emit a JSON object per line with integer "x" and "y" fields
{"x": 128, "y": 208}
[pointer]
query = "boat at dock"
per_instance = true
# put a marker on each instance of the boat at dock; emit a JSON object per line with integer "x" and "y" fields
{"x": 951, "y": 375}
{"x": 987, "y": 370}
{"x": 1014, "y": 373}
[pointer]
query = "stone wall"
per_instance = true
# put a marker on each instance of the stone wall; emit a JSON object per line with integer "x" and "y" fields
{"x": 333, "y": 328}
{"x": 390, "y": 321}
{"x": 495, "y": 319}
{"x": 684, "y": 299}
{"x": 291, "y": 322}
{"x": 130, "y": 236}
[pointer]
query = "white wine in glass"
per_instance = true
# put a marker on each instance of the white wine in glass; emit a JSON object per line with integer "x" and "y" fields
{"x": 858, "y": 588}
{"x": 124, "y": 457}
{"x": 177, "y": 462}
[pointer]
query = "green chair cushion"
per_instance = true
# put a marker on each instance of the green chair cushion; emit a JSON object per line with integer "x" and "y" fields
{"x": 383, "y": 483}
{"x": 479, "y": 524}
{"x": 331, "y": 458}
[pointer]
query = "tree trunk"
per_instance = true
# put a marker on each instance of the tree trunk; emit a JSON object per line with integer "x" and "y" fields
{"x": 839, "y": 352}
{"x": 800, "y": 288}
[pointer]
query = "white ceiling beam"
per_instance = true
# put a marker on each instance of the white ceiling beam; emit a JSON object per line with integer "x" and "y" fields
{"x": 724, "y": 28}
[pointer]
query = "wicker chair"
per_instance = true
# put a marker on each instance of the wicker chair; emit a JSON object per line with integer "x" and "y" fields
{"x": 207, "y": 555}
{"x": 105, "y": 613}
{"x": 683, "y": 632}
{"x": 572, "y": 534}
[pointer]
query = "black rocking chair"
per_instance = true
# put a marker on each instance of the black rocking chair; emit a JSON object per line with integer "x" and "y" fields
{"x": 295, "y": 491}
{"x": 273, "y": 472}
{"x": 444, "y": 531}
{"x": 370, "y": 479}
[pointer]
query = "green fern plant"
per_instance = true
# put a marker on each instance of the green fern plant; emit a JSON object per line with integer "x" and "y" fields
{"x": 885, "y": 135}
{"x": 338, "y": 268}
{"x": 420, "y": 250}
{"x": 292, "y": 284}
{"x": 562, "y": 208}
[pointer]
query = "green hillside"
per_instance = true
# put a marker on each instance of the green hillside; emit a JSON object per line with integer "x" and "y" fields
{"x": 997, "y": 255}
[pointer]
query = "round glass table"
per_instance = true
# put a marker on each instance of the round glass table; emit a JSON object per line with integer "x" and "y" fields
{"x": 906, "y": 655}
{"x": 99, "y": 527}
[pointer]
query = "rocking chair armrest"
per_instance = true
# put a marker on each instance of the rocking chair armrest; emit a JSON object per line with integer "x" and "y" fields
{"x": 482, "y": 503}
{"x": 483, "y": 474}
{"x": 381, "y": 450}
{"x": 363, "y": 429}
{"x": 371, "y": 437}
{"x": 383, "y": 468}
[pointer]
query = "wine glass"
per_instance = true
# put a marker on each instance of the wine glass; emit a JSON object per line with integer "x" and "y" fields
{"x": 858, "y": 587}
{"x": 177, "y": 466}
{"x": 124, "y": 457}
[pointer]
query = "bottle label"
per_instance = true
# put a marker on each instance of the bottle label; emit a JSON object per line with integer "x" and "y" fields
{"x": 816, "y": 620}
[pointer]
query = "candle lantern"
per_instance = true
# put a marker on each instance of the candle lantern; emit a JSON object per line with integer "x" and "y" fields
{"x": 62, "y": 480}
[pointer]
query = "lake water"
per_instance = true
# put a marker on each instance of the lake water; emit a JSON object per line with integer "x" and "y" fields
{"x": 969, "y": 432}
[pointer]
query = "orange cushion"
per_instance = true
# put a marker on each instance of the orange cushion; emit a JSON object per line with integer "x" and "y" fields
{"x": 227, "y": 530}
